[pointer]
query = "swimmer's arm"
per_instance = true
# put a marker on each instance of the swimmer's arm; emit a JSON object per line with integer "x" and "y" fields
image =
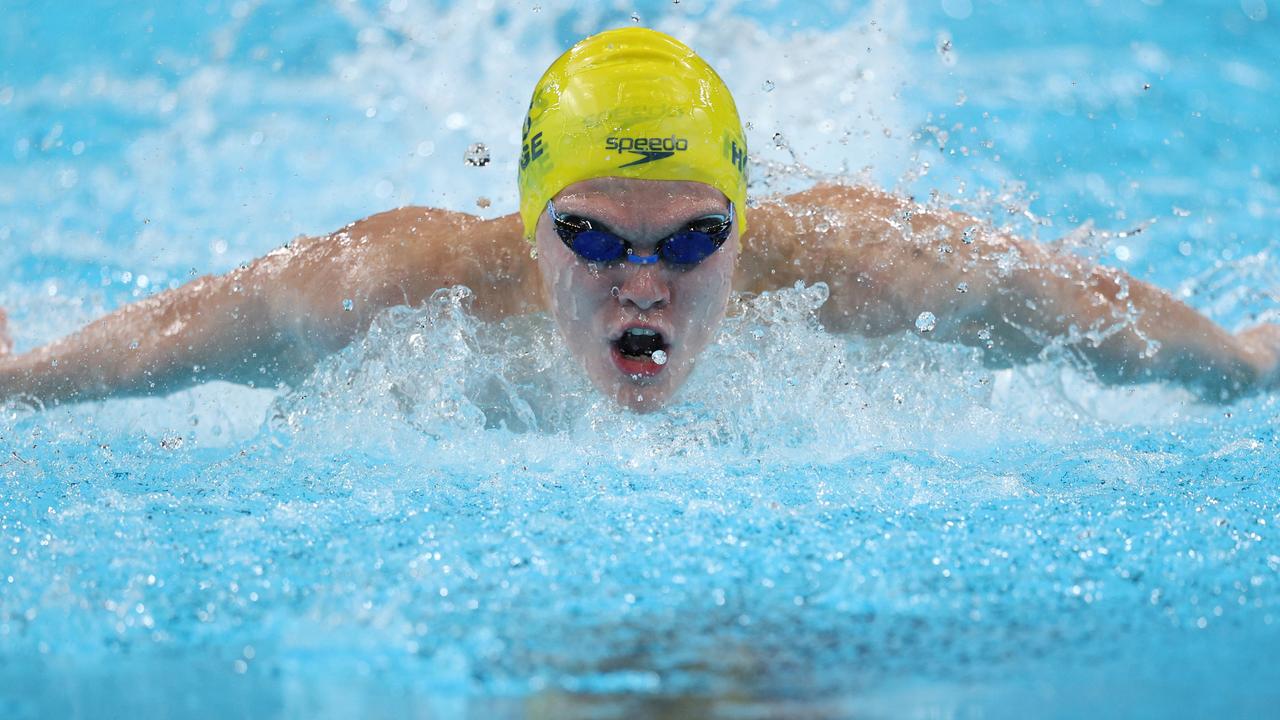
{"x": 1009, "y": 298}
{"x": 269, "y": 321}
{"x": 213, "y": 328}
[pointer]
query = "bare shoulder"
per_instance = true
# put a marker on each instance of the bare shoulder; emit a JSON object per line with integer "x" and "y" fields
{"x": 882, "y": 255}
{"x": 810, "y": 234}
{"x": 402, "y": 256}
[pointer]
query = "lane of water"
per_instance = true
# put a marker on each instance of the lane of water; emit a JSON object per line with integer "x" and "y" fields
{"x": 880, "y": 527}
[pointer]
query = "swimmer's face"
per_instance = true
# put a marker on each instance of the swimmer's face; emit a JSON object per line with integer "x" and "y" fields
{"x": 595, "y": 305}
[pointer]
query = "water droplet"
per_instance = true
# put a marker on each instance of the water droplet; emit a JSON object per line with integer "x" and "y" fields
{"x": 926, "y": 322}
{"x": 945, "y": 49}
{"x": 1255, "y": 10}
{"x": 477, "y": 155}
{"x": 767, "y": 86}
{"x": 660, "y": 357}
{"x": 957, "y": 9}
{"x": 348, "y": 305}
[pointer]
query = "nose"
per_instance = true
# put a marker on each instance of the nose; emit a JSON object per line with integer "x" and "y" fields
{"x": 644, "y": 287}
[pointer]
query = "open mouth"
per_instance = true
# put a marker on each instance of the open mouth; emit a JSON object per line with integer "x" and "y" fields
{"x": 640, "y": 351}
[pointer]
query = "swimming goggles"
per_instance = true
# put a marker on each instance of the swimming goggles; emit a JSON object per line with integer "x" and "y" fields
{"x": 592, "y": 242}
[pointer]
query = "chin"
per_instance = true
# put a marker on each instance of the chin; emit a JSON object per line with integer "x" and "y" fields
{"x": 643, "y": 399}
{"x": 635, "y": 393}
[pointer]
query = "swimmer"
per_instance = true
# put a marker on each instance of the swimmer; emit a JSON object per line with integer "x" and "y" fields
{"x": 632, "y": 180}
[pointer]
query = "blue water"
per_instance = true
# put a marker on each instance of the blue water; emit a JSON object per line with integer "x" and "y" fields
{"x": 445, "y": 520}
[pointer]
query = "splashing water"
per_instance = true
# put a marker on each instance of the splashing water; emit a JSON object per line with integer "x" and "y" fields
{"x": 446, "y": 516}
{"x": 926, "y": 322}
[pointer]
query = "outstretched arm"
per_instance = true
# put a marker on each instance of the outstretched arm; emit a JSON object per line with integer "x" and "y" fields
{"x": 887, "y": 261}
{"x": 270, "y": 320}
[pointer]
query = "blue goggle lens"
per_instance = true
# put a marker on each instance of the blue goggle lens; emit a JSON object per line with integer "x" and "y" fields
{"x": 688, "y": 247}
{"x": 597, "y": 245}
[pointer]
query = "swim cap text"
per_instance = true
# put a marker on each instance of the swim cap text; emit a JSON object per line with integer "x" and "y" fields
{"x": 649, "y": 149}
{"x": 629, "y": 144}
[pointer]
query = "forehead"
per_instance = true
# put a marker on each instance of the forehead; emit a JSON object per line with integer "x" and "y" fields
{"x": 626, "y": 195}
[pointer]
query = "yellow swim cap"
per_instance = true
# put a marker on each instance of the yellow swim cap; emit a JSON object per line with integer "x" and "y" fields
{"x": 632, "y": 103}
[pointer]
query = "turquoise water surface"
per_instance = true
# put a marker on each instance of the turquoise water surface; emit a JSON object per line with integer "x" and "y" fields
{"x": 446, "y": 521}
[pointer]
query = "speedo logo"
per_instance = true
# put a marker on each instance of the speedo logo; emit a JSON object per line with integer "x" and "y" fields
{"x": 648, "y": 148}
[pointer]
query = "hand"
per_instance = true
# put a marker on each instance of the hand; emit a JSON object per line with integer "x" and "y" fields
{"x": 1261, "y": 345}
{"x": 6, "y": 342}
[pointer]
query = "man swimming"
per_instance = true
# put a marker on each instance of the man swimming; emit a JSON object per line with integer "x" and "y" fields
{"x": 632, "y": 181}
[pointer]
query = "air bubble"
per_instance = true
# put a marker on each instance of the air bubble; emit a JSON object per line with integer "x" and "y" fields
{"x": 659, "y": 357}
{"x": 768, "y": 86}
{"x": 348, "y": 305}
{"x": 926, "y": 321}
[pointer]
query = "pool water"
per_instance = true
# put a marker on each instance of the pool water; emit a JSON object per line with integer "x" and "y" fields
{"x": 445, "y": 520}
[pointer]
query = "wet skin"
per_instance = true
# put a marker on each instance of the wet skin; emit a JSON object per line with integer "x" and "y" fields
{"x": 592, "y": 304}
{"x": 881, "y": 256}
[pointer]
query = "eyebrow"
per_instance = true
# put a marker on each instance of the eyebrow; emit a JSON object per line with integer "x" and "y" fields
{"x": 724, "y": 217}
